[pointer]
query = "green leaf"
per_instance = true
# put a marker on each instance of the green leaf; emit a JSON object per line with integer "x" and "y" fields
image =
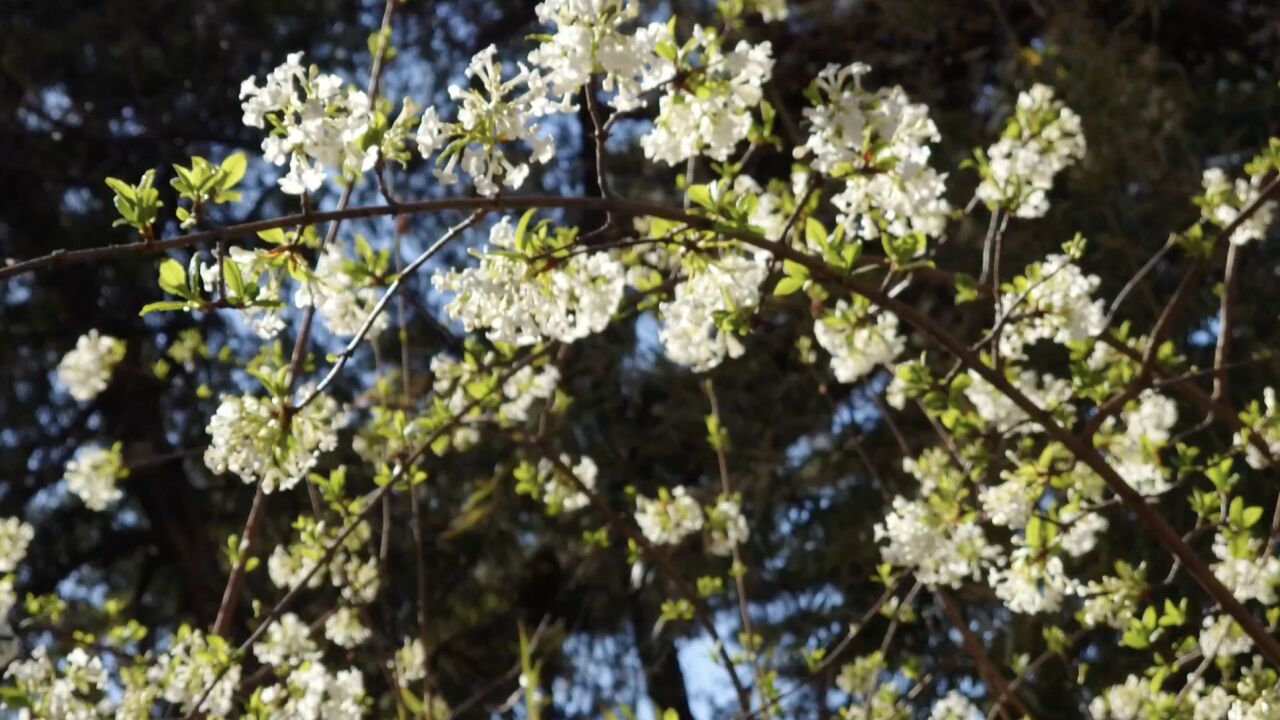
{"x": 163, "y": 306}
{"x": 788, "y": 285}
{"x": 701, "y": 195}
{"x": 523, "y": 227}
{"x": 815, "y": 233}
{"x": 232, "y": 170}
{"x": 173, "y": 278}
{"x": 234, "y": 279}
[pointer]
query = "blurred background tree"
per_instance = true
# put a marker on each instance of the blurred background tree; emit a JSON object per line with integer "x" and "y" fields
{"x": 1165, "y": 87}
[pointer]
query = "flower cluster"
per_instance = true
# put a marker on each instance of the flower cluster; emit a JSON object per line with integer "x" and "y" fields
{"x": 710, "y": 110}
{"x": 701, "y": 320}
{"x": 878, "y": 143}
{"x": 561, "y": 493}
{"x": 857, "y": 339}
{"x": 86, "y": 370}
{"x": 71, "y": 689}
{"x": 343, "y": 294}
{"x": 1223, "y": 200}
{"x": 15, "y": 536}
{"x": 590, "y": 38}
{"x": 1042, "y": 139}
{"x": 1052, "y": 300}
{"x": 669, "y": 518}
{"x": 317, "y": 125}
{"x": 1263, "y": 422}
{"x": 251, "y": 437}
{"x": 490, "y": 116}
{"x": 92, "y": 475}
{"x": 190, "y": 666}
{"x": 567, "y": 302}
{"x": 356, "y": 577}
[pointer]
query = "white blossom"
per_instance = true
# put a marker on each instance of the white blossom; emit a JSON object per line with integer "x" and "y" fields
{"x": 1267, "y": 428}
{"x": 878, "y": 144}
{"x": 15, "y": 535}
{"x": 92, "y": 475}
{"x": 342, "y": 296}
{"x": 857, "y": 339}
{"x": 669, "y": 518}
{"x": 691, "y": 335}
{"x": 726, "y": 526}
{"x": 410, "y": 661}
{"x": 1249, "y": 575}
{"x": 566, "y": 303}
{"x": 525, "y": 387}
{"x": 86, "y": 370}
{"x": 248, "y": 439}
{"x": 1223, "y": 200}
{"x": 1042, "y": 139}
{"x": 1032, "y": 584}
{"x": 954, "y": 706}
{"x": 287, "y": 642}
{"x": 1053, "y": 301}
{"x": 187, "y": 669}
{"x": 344, "y": 628}
{"x": 560, "y": 493}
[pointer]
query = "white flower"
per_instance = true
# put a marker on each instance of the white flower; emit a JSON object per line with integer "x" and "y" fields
{"x": 1267, "y": 428}
{"x": 1113, "y": 600}
{"x": 525, "y": 387}
{"x": 714, "y": 116}
{"x": 15, "y": 535}
{"x": 1249, "y": 575}
{"x": 878, "y": 144}
{"x": 857, "y": 341}
{"x": 1003, "y": 415}
{"x": 86, "y": 370}
{"x": 92, "y": 474}
{"x": 1223, "y": 200}
{"x": 344, "y": 629}
{"x": 311, "y": 692}
{"x": 410, "y": 661}
{"x": 187, "y": 669}
{"x": 1126, "y": 702}
{"x": 1082, "y": 531}
{"x": 287, "y": 642}
{"x": 1042, "y": 139}
{"x": 1134, "y": 452}
{"x": 669, "y": 518}
{"x": 316, "y": 124}
{"x": 561, "y": 494}
{"x": 249, "y": 441}
{"x": 341, "y": 297}
{"x": 954, "y": 706}
{"x": 1223, "y": 637}
{"x": 690, "y": 334}
{"x": 1032, "y": 584}
{"x": 1009, "y": 503}
{"x": 726, "y": 526}
{"x": 1053, "y": 301}
{"x": 568, "y": 302}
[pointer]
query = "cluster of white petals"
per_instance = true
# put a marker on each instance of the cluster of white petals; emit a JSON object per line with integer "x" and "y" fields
{"x": 262, "y": 316}
{"x": 711, "y": 113}
{"x": 1224, "y": 199}
{"x": 86, "y": 370}
{"x": 560, "y": 493}
{"x": 954, "y": 706}
{"x": 1002, "y": 414}
{"x": 311, "y": 692}
{"x": 568, "y": 302}
{"x": 691, "y": 333}
{"x": 345, "y": 629}
{"x": 290, "y": 565}
{"x": 287, "y": 642}
{"x": 878, "y": 142}
{"x": 1267, "y": 429}
{"x": 726, "y": 527}
{"x": 490, "y": 116}
{"x": 1133, "y": 452}
{"x": 249, "y": 439}
{"x": 92, "y": 474}
{"x": 1053, "y": 301}
{"x": 61, "y": 690}
{"x": 858, "y": 339}
{"x": 185, "y": 672}
{"x": 1042, "y": 139}
{"x": 15, "y": 536}
{"x": 589, "y": 38}
{"x": 342, "y": 295}
{"x": 526, "y": 386}
{"x": 410, "y": 661}
{"x": 921, "y": 535}
{"x": 1248, "y": 572}
{"x": 317, "y": 124}
{"x": 1032, "y": 583}
{"x": 669, "y": 518}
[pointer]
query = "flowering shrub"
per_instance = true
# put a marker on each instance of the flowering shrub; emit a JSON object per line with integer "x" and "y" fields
{"x": 1016, "y": 501}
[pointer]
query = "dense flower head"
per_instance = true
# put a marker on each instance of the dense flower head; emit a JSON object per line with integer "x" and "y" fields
{"x": 858, "y": 339}
{"x": 15, "y": 536}
{"x": 317, "y": 124}
{"x": 877, "y": 143}
{"x": 1224, "y": 198}
{"x": 726, "y": 526}
{"x": 312, "y": 692}
{"x": 697, "y": 329}
{"x": 492, "y": 113}
{"x": 287, "y": 642}
{"x": 670, "y": 517}
{"x": 560, "y": 493}
{"x": 92, "y": 475}
{"x": 86, "y": 370}
{"x": 1261, "y": 423}
{"x": 1041, "y": 139}
{"x": 710, "y": 113}
{"x": 1053, "y": 300}
{"x": 249, "y": 439}
{"x": 514, "y": 302}
{"x": 189, "y": 667}
{"x": 342, "y": 292}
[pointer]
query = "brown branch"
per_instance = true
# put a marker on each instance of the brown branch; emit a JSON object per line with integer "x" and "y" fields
{"x": 986, "y": 668}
